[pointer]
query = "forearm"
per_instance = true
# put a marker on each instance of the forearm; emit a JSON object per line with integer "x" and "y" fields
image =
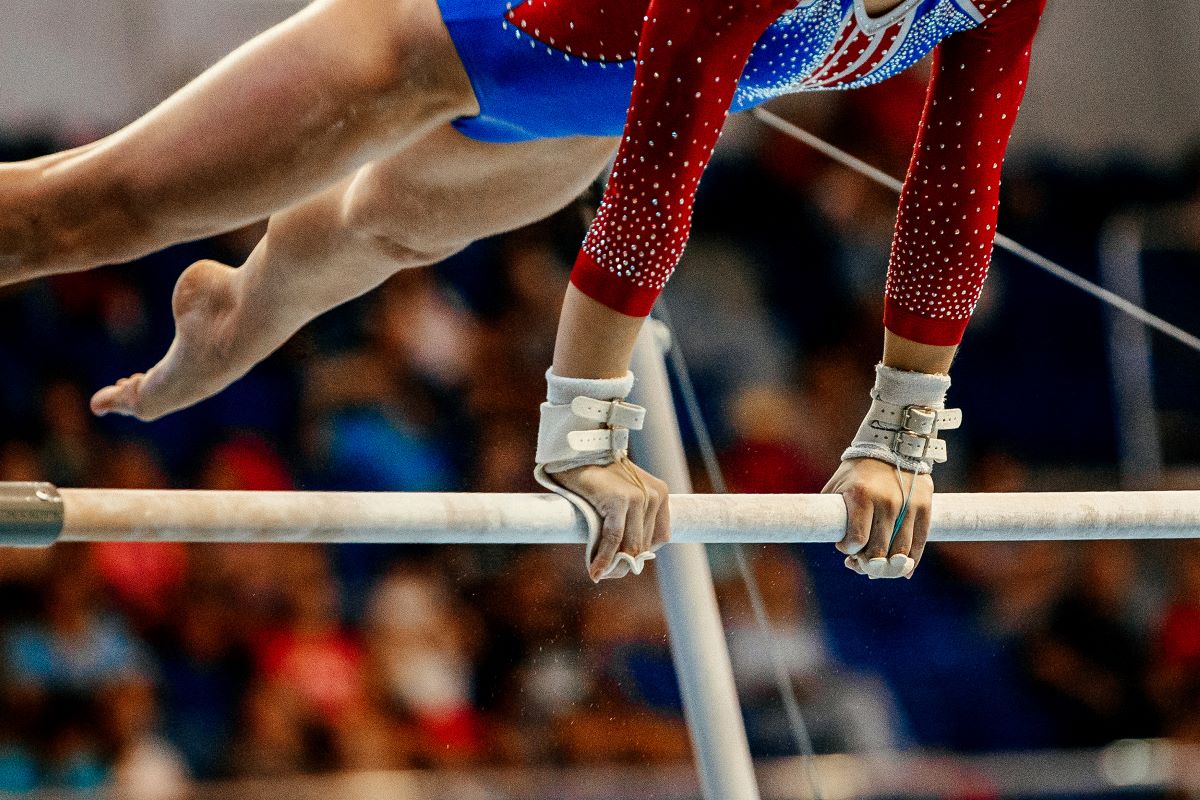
{"x": 593, "y": 340}
{"x": 906, "y": 354}
{"x": 689, "y": 60}
{"x": 946, "y": 222}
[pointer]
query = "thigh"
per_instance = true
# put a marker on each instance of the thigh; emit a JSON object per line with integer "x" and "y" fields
{"x": 296, "y": 109}
{"x": 448, "y": 189}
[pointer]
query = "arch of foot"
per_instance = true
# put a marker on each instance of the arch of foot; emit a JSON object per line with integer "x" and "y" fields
{"x": 946, "y": 223}
{"x": 690, "y": 55}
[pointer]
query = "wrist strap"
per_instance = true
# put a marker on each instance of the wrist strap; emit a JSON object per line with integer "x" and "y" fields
{"x": 561, "y": 391}
{"x": 581, "y": 429}
{"x": 907, "y": 413}
{"x": 586, "y": 421}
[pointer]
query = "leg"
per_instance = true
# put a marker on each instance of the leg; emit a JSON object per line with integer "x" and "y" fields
{"x": 412, "y": 209}
{"x": 339, "y": 84}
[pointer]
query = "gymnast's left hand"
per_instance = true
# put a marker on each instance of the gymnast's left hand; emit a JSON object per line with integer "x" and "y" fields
{"x": 633, "y": 520}
{"x": 874, "y": 499}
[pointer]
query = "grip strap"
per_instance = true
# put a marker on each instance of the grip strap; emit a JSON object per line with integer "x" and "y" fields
{"x": 587, "y": 422}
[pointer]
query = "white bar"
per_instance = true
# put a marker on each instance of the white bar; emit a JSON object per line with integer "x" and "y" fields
{"x": 445, "y": 518}
{"x": 698, "y": 648}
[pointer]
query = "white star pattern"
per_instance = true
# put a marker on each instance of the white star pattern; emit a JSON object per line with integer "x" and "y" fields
{"x": 696, "y": 58}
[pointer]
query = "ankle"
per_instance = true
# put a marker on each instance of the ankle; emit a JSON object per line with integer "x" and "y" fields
{"x": 36, "y": 240}
{"x": 23, "y": 245}
{"x": 253, "y": 312}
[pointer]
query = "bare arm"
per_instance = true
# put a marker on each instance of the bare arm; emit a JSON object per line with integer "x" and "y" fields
{"x": 594, "y": 341}
{"x": 913, "y": 356}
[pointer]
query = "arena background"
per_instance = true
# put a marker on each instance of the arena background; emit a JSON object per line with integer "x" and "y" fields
{"x": 163, "y": 671}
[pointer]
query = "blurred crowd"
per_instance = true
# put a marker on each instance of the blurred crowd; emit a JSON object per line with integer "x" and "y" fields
{"x": 149, "y": 666}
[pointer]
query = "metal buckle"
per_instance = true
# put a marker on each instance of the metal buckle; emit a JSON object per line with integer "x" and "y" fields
{"x": 626, "y": 415}
{"x": 907, "y": 417}
{"x": 903, "y": 433}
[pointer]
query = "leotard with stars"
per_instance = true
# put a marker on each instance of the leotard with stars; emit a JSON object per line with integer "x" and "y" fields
{"x": 679, "y": 67}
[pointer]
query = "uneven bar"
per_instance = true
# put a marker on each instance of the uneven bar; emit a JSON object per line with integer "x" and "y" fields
{"x": 93, "y": 515}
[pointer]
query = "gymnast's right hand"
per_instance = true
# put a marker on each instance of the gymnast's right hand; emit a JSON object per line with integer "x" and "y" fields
{"x": 633, "y": 519}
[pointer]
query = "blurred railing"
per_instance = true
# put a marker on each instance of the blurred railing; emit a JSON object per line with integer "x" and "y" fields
{"x": 1118, "y": 769}
{"x": 1147, "y": 255}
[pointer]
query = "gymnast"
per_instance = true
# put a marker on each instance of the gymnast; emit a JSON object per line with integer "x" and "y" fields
{"x": 379, "y": 135}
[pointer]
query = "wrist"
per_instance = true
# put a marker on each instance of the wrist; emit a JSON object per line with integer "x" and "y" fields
{"x": 905, "y": 387}
{"x": 561, "y": 390}
{"x": 593, "y": 340}
{"x": 879, "y": 452}
{"x": 908, "y": 409}
{"x": 585, "y": 421}
{"x": 917, "y": 354}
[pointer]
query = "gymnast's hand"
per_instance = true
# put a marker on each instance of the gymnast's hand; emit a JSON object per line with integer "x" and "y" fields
{"x": 873, "y": 499}
{"x": 633, "y": 519}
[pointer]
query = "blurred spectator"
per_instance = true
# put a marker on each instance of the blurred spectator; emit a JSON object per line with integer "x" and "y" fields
{"x": 844, "y": 711}
{"x": 309, "y": 699}
{"x": 765, "y": 455}
{"x": 71, "y": 742}
{"x": 276, "y": 737}
{"x": 245, "y": 463}
{"x": 143, "y": 577}
{"x": 18, "y": 761}
{"x": 19, "y": 462}
{"x": 369, "y": 437}
{"x": 1017, "y": 582}
{"x": 71, "y": 441}
{"x": 1175, "y": 682}
{"x": 74, "y": 646}
{"x": 632, "y": 711}
{"x": 416, "y": 324}
{"x": 309, "y": 651}
{"x": 419, "y": 639}
{"x": 205, "y": 667}
{"x": 1089, "y": 667}
{"x": 146, "y": 766}
{"x": 531, "y": 668}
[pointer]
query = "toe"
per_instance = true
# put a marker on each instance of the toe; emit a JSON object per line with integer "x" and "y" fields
{"x": 102, "y": 402}
{"x": 120, "y": 398}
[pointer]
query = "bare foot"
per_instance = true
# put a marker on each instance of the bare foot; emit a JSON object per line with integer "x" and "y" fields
{"x": 213, "y": 347}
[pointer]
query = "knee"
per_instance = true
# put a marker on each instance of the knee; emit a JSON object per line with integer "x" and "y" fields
{"x": 399, "y": 248}
{"x": 402, "y": 252}
{"x": 404, "y": 234}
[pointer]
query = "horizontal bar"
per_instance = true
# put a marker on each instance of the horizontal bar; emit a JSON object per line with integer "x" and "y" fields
{"x": 31, "y": 514}
{"x": 92, "y": 515}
